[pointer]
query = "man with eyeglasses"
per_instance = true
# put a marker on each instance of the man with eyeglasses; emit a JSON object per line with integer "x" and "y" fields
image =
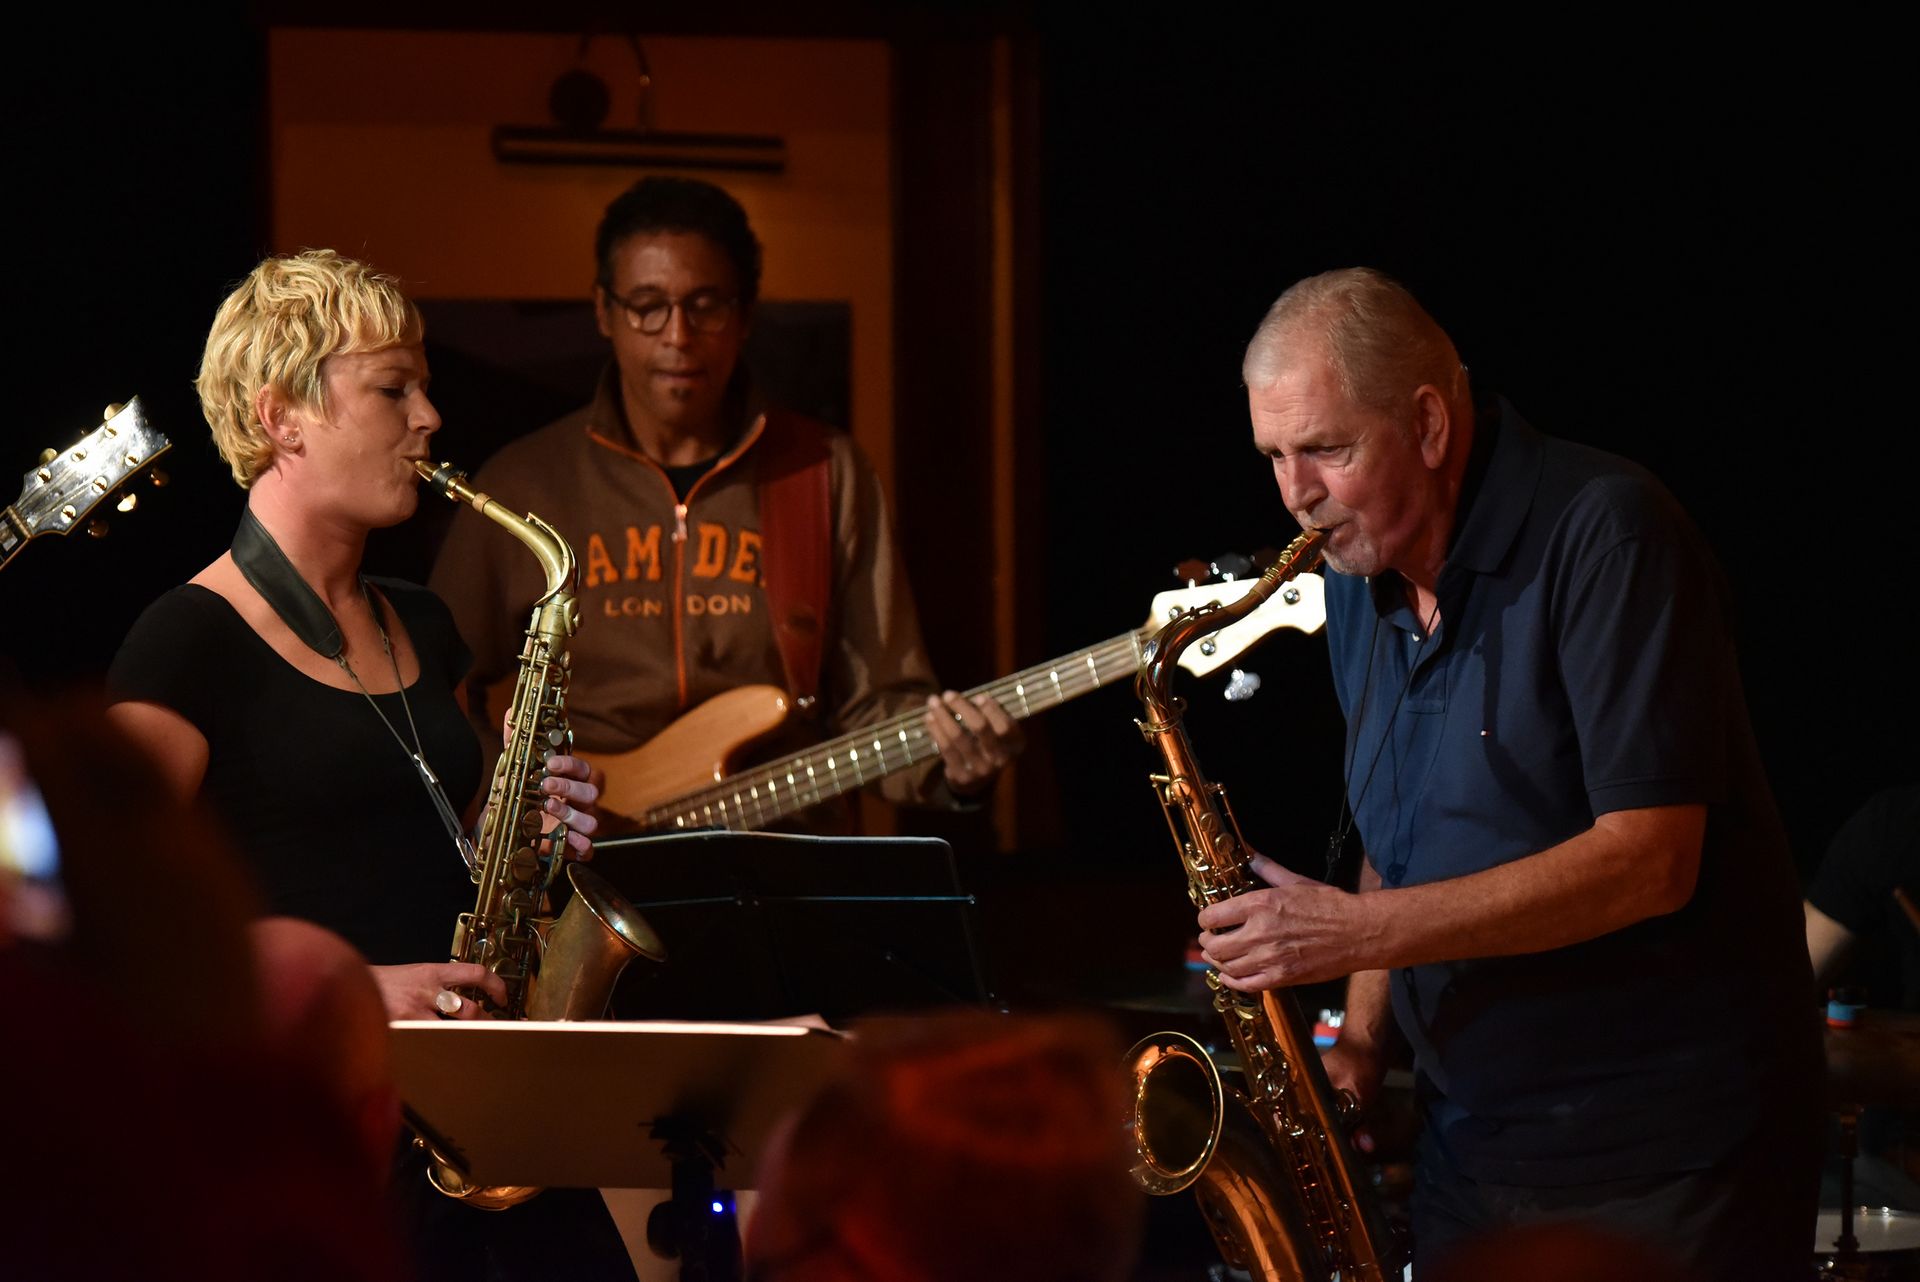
{"x": 722, "y": 542}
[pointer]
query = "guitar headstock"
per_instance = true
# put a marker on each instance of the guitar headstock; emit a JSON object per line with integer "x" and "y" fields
{"x": 1300, "y": 603}
{"x": 60, "y": 493}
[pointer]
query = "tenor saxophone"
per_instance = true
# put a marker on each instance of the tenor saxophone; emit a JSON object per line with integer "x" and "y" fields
{"x": 561, "y": 968}
{"x": 1270, "y": 1163}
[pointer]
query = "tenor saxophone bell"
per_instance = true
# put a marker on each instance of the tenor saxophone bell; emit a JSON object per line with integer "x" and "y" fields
{"x": 1191, "y": 1131}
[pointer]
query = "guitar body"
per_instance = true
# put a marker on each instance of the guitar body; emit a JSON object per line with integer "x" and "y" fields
{"x": 700, "y": 748}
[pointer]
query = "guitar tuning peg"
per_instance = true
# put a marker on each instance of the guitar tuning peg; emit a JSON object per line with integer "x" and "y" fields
{"x": 97, "y": 528}
{"x": 159, "y": 478}
{"x": 1191, "y": 572}
{"x": 128, "y": 502}
{"x": 48, "y": 456}
{"x": 1232, "y": 566}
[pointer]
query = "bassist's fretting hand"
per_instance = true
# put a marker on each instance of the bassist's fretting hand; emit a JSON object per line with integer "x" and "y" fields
{"x": 976, "y": 739}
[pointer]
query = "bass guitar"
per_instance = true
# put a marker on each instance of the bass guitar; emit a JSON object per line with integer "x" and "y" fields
{"x": 685, "y": 776}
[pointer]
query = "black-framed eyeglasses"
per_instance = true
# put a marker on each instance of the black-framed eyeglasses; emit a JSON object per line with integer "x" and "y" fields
{"x": 707, "y": 310}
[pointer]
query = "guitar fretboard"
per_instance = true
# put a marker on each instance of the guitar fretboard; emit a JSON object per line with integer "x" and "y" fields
{"x": 755, "y": 798}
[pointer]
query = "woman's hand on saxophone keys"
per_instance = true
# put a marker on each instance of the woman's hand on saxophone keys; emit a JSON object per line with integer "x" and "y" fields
{"x": 573, "y": 798}
{"x": 573, "y": 787}
{"x": 1300, "y": 931}
{"x": 427, "y": 990}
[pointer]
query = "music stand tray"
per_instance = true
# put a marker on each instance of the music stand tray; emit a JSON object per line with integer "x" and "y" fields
{"x": 590, "y": 1104}
{"x": 767, "y": 925}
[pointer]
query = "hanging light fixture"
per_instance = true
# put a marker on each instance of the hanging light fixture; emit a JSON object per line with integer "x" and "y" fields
{"x": 579, "y": 101}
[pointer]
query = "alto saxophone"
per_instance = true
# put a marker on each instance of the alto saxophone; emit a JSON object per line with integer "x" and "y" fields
{"x": 1271, "y": 1163}
{"x": 553, "y": 969}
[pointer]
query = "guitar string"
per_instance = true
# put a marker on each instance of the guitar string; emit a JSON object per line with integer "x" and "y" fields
{"x": 1070, "y": 676}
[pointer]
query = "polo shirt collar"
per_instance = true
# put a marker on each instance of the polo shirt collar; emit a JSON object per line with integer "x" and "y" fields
{"x": 1493, "y": 509}
{"x": 1502, "y": 475}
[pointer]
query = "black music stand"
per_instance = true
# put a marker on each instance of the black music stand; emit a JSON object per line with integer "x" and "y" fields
{"x": 604, "y": 1104}
{"x": 767, "y": 925}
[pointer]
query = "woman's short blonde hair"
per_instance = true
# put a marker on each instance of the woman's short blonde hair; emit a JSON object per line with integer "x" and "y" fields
{"x": 277, "y": 329}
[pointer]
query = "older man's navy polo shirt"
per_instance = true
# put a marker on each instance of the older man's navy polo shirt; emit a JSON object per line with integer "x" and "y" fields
{"x": 1582, "y": 664}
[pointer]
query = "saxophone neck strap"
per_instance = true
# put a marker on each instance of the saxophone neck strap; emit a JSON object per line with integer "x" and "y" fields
{"x": 272, "y": 575}
{"x": 266, "y": 566}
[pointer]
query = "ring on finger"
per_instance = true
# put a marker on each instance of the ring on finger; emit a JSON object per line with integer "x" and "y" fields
{"x": 448, "y": 1002}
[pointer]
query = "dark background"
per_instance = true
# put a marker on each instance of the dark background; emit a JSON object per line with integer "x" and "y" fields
{"x": 1688, "y": 248}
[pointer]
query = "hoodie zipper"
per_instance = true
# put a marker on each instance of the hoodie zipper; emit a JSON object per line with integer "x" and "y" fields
{"x": 681, "y": 508}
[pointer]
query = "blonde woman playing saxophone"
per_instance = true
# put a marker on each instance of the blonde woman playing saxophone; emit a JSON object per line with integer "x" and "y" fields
{"x": 316, "y": 710}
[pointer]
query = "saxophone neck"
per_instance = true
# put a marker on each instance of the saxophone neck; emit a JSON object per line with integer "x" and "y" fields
{"x": 552, "y": 551}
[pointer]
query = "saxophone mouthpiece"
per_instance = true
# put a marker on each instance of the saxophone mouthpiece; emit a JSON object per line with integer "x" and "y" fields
{"x": 438, "y": 475}
{"x": 450, "y": 483}
{"x": 1304, "y": 554}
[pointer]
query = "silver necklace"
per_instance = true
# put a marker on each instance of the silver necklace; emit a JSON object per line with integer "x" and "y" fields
{"x": 436, "y": 790}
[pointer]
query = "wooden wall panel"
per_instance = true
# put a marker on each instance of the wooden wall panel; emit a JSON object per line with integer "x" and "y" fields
{"x": 380, "y": 148}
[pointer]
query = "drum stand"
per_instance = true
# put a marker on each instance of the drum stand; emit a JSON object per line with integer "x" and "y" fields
{"x": 1871, "y": 1061}
{"x": 1847, "y": 1261}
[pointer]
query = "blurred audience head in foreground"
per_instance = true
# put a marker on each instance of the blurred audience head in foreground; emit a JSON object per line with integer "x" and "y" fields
{"x": 239, "y": 1065}
{"x": 956, "y": 1147}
